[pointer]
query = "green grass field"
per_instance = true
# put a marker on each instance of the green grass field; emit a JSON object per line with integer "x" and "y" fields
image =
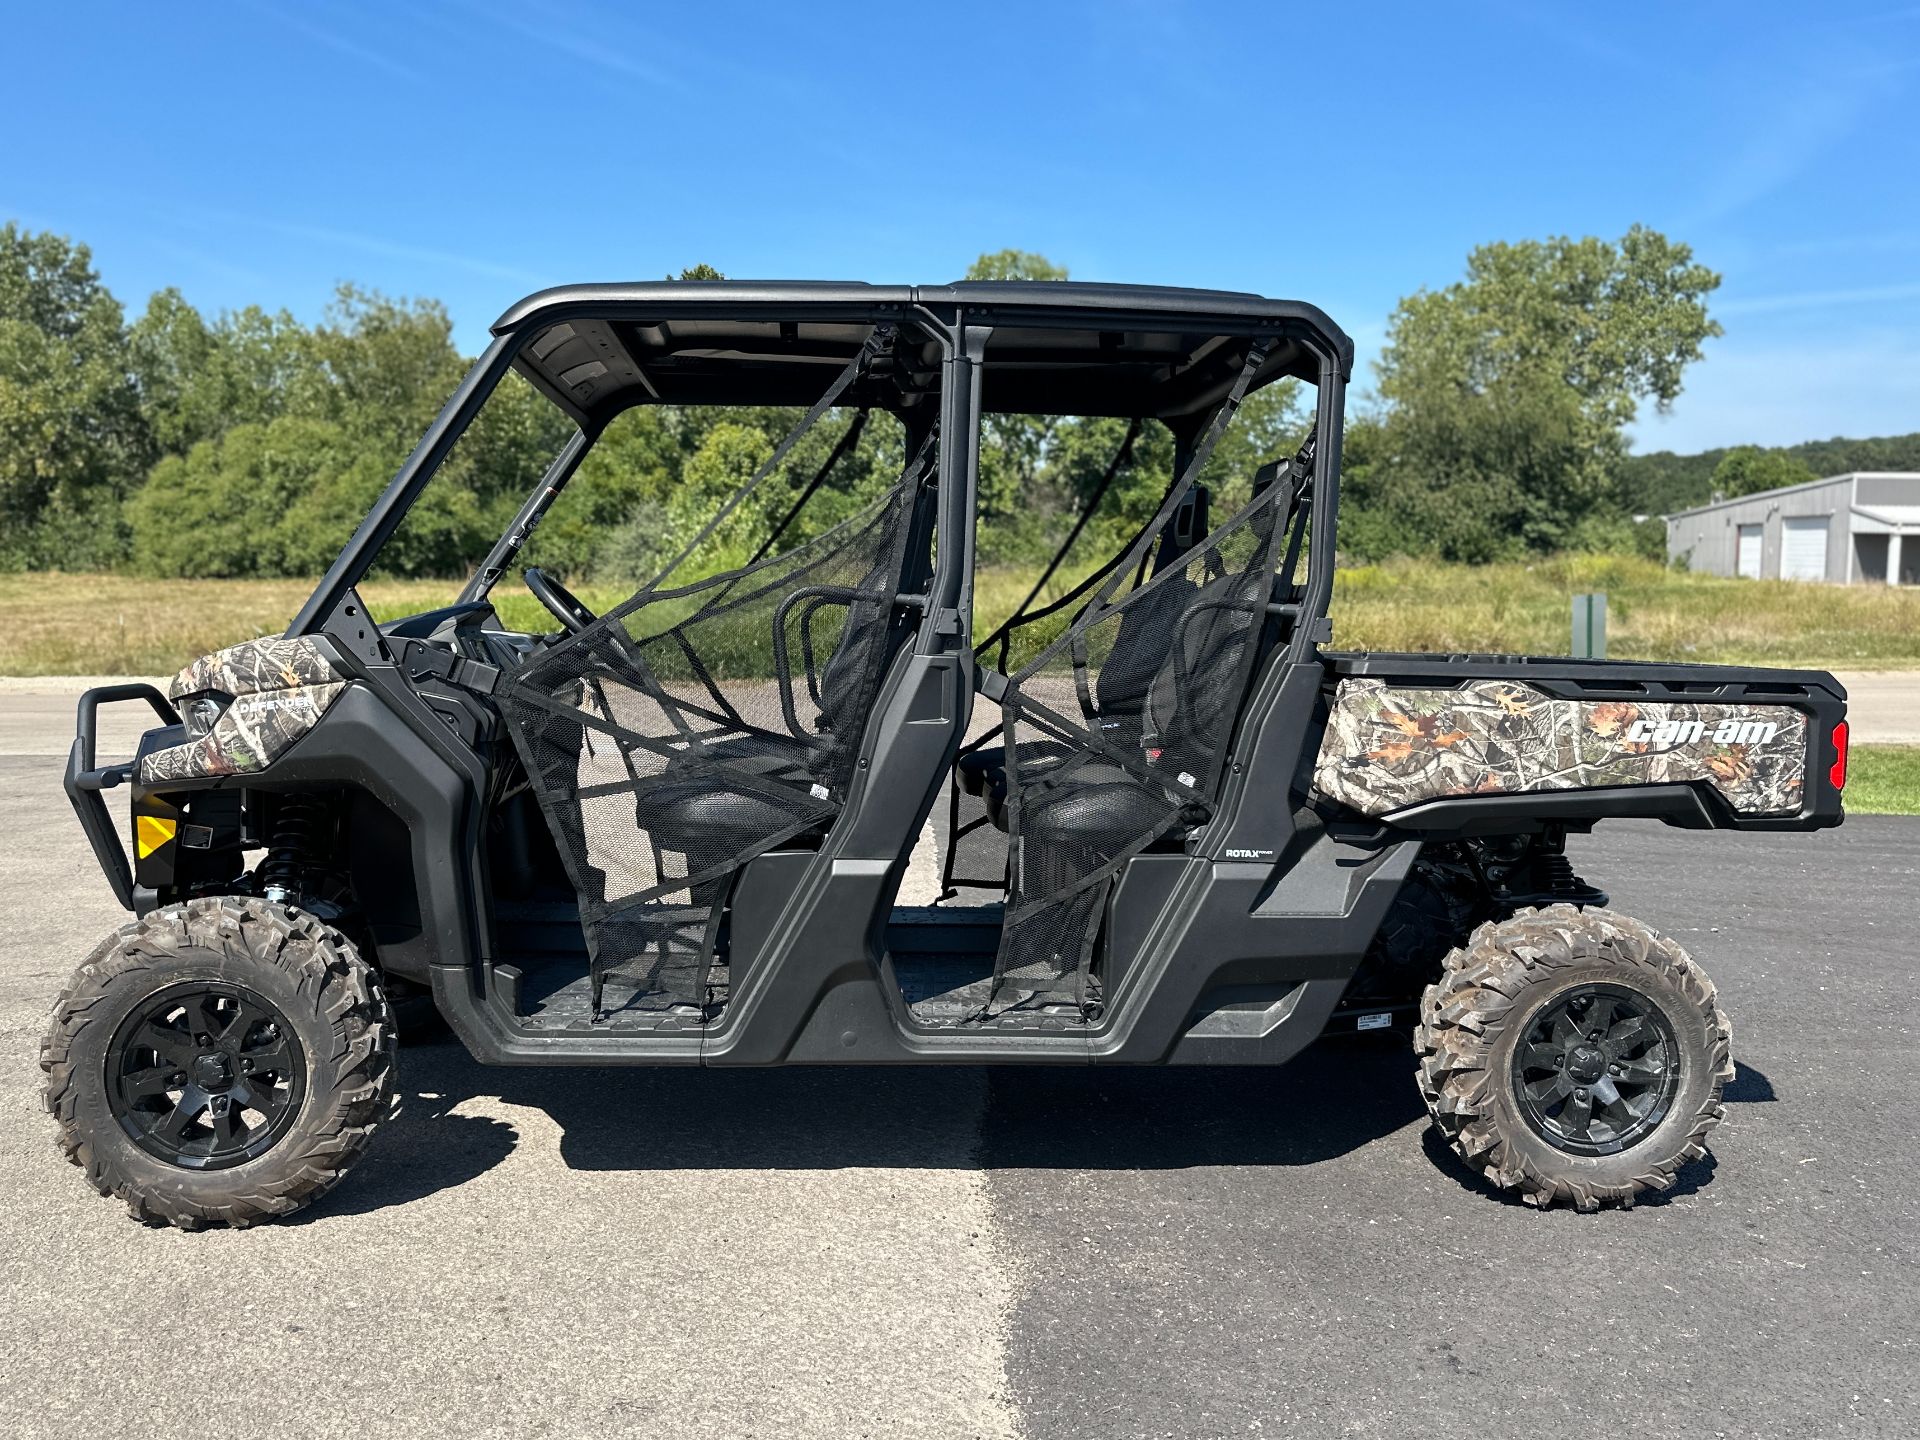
{"x": 1653, "y": 613}
{"x": 56, "y": 624}
{"x": 1883, "y": 780}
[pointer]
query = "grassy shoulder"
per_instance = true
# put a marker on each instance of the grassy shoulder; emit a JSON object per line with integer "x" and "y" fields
{"x": 58, "y": 624}
{"x": 1883, "y": 780}
{"x": 54, "y": 624}
{"x": 1653, "y": 613}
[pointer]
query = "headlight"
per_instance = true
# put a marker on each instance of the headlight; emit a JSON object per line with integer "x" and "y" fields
{"x": 198, "y": 712}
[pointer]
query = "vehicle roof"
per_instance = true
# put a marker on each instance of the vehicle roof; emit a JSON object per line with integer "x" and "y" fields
{"x": 1068, "y": 346}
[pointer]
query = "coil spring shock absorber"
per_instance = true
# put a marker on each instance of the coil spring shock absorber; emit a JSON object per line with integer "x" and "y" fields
{"x": 300, "y": 832}
{"x": 1554, "y": 872}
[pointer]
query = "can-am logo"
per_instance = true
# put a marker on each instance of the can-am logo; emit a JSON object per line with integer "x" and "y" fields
{"x": 1689, "y": 732}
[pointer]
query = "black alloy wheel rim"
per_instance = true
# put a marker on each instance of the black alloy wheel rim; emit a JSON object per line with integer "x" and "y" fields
{"x": 205, "y": 1075}
{"x": 1596, "y": 1069}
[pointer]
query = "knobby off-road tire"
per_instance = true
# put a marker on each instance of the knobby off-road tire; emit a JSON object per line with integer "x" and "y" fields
{"x": 261, "y": 995}
{"x": 1525, "y": 981}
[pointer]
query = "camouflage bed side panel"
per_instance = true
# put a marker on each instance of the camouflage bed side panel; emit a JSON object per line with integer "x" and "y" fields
{"x": 1389, "y": 747}
{"x": 280, "y": 688}
{"x": 271, "y": 663}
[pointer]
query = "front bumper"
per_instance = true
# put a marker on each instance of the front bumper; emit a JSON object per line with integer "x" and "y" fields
{"x": 85, "y": 782}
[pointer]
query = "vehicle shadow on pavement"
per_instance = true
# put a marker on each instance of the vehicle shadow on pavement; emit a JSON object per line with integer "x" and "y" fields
{"x": 424, "y": 1148}
{"x": 1354, "y": 1089}
{"x": 1337, "y": 1096}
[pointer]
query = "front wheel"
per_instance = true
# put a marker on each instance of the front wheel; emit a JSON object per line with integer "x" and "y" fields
{"x": 1574, "y": 1055}
{"x": 219, "y": 1062}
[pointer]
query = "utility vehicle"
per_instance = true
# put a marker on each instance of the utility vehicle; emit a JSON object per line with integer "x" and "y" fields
{"x": 676, "y": 833}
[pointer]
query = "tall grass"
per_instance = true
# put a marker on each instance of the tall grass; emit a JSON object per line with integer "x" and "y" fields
{"x": 55, "y": 624}
{"x": 1653, "y": 613}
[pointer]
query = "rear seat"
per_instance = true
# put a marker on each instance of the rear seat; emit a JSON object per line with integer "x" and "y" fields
{"x": 1138, "y": 690}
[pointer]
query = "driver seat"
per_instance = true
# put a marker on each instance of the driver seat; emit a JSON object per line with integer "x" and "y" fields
{"x": 707, "y": 804}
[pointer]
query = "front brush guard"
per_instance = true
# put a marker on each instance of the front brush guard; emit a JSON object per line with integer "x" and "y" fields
{"x": 85, "y": 781}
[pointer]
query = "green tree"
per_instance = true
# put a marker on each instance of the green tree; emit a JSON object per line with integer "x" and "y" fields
{"x": 72, "y": 438}
{"x": 1747, "y": 470}
{"x": 391, "y": 364}
{"x": 610, "y": 522}
{"x": 1507, "y": 393}
{"x": 226, "y": 507}
{"x": 174, "y": 354}
{"x": 279, "y": 438}
{"x": 727, "y": 458}
{"x": 198, "y": 378}
{"x": 1013, "y": 447}
{"x": 280, "y": 498}
{"x": 1015, "y": 265}
{"x": 445, "y": 531}
{"x": 509, "y": 446}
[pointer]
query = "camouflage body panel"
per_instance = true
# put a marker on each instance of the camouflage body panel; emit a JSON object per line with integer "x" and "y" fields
{"x": 279, "y": 687}
{"x": 251, "y": 733}
{"x": 1387, "y": 747}
{"x": 272, "y": 663}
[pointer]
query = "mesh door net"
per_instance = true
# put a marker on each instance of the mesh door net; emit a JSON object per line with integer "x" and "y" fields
{"x": 976, "y": 848}
{"x": 1114, "y": 734}
{"x": 691, "y": 728}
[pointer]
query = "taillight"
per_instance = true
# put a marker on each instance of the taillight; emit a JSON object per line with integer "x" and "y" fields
{"x": 1838, "y": 774}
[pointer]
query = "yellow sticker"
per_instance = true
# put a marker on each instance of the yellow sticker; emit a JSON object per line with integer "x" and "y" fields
{"x": 150, "y": 832}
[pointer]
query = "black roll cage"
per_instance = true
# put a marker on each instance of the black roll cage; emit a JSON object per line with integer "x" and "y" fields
{"x": 1052, "y": 370}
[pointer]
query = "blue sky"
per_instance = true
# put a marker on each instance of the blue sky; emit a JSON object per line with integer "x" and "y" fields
{"x": 1347, "y": 155}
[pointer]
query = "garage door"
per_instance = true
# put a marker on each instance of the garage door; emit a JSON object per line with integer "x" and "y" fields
{"x": 1749, "y": 553}
{"x": 1803, "y": 549}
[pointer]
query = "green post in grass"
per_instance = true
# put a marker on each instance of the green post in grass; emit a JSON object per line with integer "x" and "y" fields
{"x": 1590, "y": 626}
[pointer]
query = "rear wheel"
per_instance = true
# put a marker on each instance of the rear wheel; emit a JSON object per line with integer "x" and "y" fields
{"x": 219, "y": 1062}
{"x": 1574, "y": 1055}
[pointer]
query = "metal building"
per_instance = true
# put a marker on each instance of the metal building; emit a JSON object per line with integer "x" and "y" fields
{"x": 1849, "y": 529}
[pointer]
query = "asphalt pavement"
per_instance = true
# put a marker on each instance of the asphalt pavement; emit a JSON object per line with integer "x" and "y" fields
{"x": 1037, "y": 1253}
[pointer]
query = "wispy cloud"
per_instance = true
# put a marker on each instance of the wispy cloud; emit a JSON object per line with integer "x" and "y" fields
{"x": 593, "y": 51}
{"x": 661, "y": 63}
{"x": 210, "y": 263}
{"x": 1550, "y": 21}
{"x": 335, "y": 41}
{"x": 1795, "y": 126}
{"x": 32, "y": 220}
{"x": 1781, "y": 394}
{"x": 200, "y": 259}
{"x": 1818, "y": 299}
{"x": 1874, "y": 242}
{"x": 367, "y": 244}
{"x": 375, "y": 245}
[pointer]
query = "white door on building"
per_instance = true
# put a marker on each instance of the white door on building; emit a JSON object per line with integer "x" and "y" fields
{"x": 1803, "y": 548}
{"x": 1748, "y": 551}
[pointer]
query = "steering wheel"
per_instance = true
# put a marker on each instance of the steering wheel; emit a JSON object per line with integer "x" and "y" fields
{"x": 560, "y": 601}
